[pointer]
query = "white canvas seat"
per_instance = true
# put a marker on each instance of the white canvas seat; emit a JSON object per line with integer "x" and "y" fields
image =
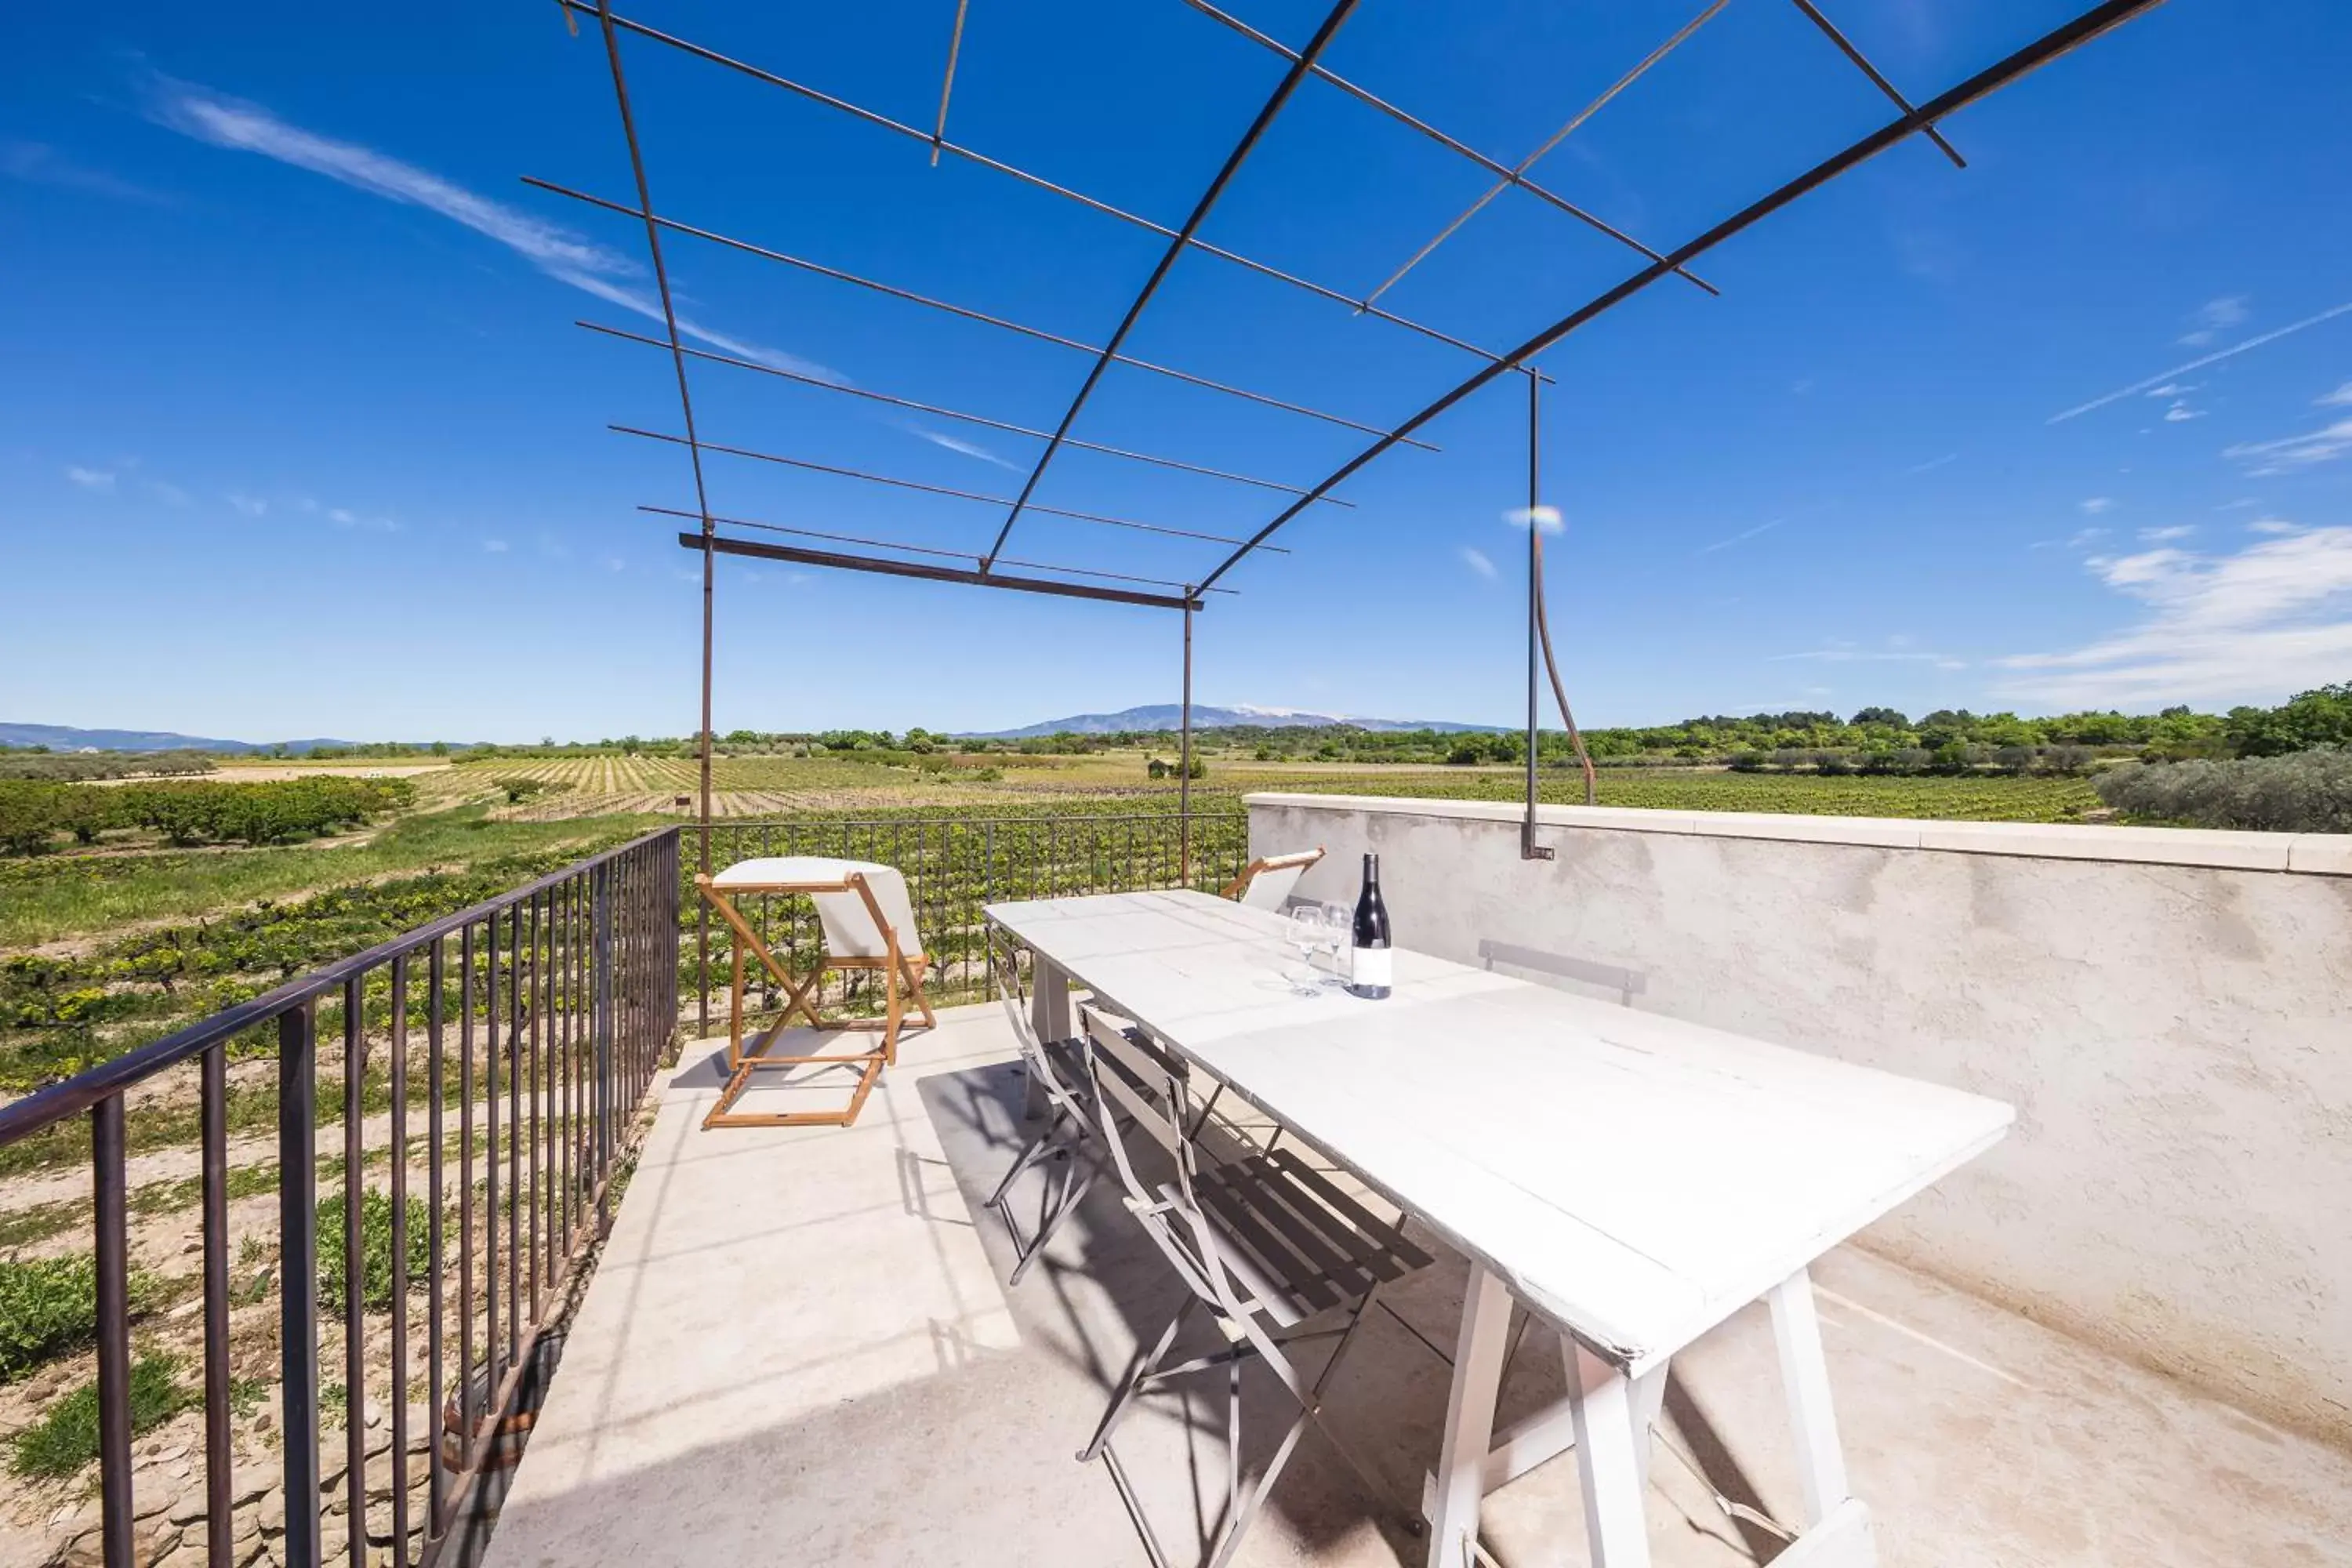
{"x": 867, "y": 923}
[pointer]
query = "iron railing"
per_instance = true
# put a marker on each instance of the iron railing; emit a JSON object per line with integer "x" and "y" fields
{"x": 954, "y": 868}
{"x": 543, "y": 1013}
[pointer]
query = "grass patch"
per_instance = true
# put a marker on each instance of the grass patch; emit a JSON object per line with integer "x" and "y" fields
{"x": 22, "y": 1227}
{"x": 375, "y": 1249}
{"x": 48, "y": 1308}
{"x": 65, "y": 1436}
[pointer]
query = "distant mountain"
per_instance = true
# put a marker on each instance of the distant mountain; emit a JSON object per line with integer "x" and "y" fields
{"x": 66, "y": 738}
{"x": 1168, "y": 716}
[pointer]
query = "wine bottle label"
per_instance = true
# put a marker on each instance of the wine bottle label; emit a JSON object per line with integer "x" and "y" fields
{"x": 1371, "y": 966}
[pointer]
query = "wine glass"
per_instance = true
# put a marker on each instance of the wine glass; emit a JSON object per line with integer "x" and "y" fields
{"x": 1340, "y": 936}
{"x": 1306, "y": 932}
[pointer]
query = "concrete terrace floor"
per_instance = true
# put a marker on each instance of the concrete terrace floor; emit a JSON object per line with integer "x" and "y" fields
{"x": 798, "y": 1347}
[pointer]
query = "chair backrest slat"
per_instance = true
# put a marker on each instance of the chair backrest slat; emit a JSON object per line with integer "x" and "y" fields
{"x": 1138, "y": 1077}
{"x": 1627, "y": 982}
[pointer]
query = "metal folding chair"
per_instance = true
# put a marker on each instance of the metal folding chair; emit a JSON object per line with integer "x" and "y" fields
{"x": 868, "y": 924}
{"x": 1266, "y": 883}
{"x": 1068, "y": 1141}
{"x": 1268, "y": 1245}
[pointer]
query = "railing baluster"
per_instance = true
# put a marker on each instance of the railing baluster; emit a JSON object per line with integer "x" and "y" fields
{"x": 213, "y": 1131}
{"x": 111, "y": 1204}
{"x": 297, "y": 1277}
{"x": 601, "y": 898}
{"x": 398, "y": 1395}
{"x": 538, "y": 1008}
{"x": 354, "y": 1272}
{"x": 510, "y": 1051}
{"x": 491, "y": 1366}
{"x": 434, "y": 1306}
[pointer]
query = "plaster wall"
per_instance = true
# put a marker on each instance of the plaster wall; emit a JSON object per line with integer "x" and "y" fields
{"x": 2171, "y": 1012}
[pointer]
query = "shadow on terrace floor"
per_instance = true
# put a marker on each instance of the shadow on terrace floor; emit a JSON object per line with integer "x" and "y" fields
{"x": 798, "y": 1349}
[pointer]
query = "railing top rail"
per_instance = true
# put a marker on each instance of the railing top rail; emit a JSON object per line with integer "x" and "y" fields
{"x": 47, "y": 1106}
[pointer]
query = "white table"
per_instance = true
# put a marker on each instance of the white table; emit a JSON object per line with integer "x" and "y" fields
{"x": 1630, "y": 1179}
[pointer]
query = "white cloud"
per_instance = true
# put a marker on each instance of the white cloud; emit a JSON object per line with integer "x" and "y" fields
{"x": 1546, "y": 517}
{"x": 1477, "y": 561}
{"x": 2097, "y": 504}
{"x": 1739, "y": 538}
{"x": 2180, "y": 412}
{"x": 2159, "y": 535}
{"x": 2083, "y": 538}
{"x": 495, "y": 546}
{"x": 92, "y": 478}
{"x": 38, "y": 164}
{"x": 2274, "y": 617}
{"x": 251, "y": 505}
{"x": 2213, "y": 318}
{"x": 2290, "y": 453}
{"x": 169, "y": 494}
{"x": 342, "y": 517}
{"x": 2339, "y": 398}
{"x": 2273, "y": 525}
{"x": 2137, "y": 387}
{"x": 197, "y": 112}
{"x": 969, "y": 449}
{"x": 2174, "y": 389}
{"x": 1932, "y": 463}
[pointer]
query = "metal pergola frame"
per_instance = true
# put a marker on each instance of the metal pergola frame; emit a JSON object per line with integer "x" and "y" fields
{"x": 984, "y": 568}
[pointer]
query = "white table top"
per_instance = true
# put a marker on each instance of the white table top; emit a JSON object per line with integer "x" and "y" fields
{"x": 1635, "y": 1179}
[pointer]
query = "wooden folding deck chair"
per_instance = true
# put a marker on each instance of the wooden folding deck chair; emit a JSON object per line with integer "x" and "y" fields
{"x": 867, "y": 923}
{"x": 1265, "y": 882}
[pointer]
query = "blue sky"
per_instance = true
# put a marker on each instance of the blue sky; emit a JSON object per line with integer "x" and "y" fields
{"x": 300, "y": 435}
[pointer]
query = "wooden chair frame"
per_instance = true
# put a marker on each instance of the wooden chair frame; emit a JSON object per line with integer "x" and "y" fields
{"x": 902, "y": 983}
{"x": 1301, "y": 858}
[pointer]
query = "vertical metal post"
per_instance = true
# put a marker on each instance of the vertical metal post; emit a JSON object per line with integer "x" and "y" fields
{"x": 112, "y": 1205}
{"x": 1184, "y": 761}
{"x": 298, "y": 1278}
{"x": 213, "y": 1131}
{"x": 1528, "y": 848}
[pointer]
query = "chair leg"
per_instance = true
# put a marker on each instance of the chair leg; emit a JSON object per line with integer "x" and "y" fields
{"x": 1237, "y": 1524}
{"x": 1074, "y": 1188}
{"x": 1134, "y": 1381}
{"x": 1033, "y": 1151}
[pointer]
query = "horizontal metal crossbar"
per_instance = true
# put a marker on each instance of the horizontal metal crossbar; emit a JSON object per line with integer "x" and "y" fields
{"x": 938, "y": 143}
{"x": 910, "y": 296}
{"x": 916, "y": 549}
{"x": 933, "y": 574}
{"x": 980, "y": 419}
{"x": 927, "y": 488}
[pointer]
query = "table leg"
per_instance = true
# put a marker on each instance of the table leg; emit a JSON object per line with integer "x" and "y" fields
{"x": 1049, "y": 1015}
{"x": 1609, "y": 1465}
{"x": 1469, "y": 1419}
{"x": 1797, "y": 1329}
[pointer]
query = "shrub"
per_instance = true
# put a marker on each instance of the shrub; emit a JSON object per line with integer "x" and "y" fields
{"x": 65, "y": 1436}
{"x": 2308, "y": 792}
{"x": 375, "y": 1249}
{"x": 521, "y": 790}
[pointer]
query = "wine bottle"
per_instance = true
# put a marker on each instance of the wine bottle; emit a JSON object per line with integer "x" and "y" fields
{"x": 1369, "y": 966}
